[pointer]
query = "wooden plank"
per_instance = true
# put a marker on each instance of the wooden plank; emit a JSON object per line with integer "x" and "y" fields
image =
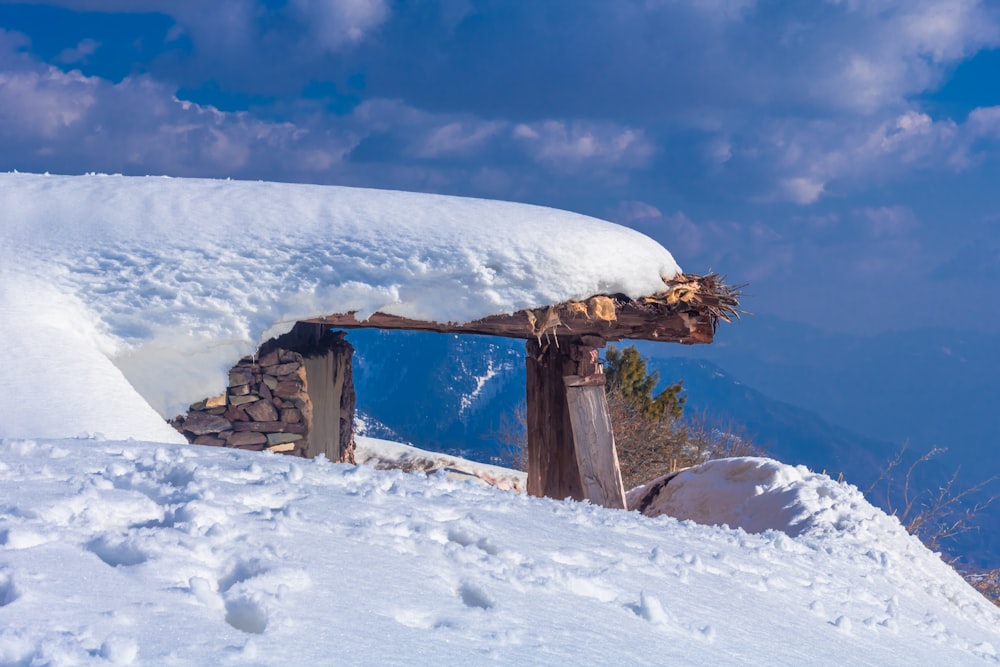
{"x": 594, "y": 441}
{"x": 584, "y": 380}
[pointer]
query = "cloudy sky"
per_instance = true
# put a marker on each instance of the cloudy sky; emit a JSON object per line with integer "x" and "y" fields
{"x": 842, "y": 156}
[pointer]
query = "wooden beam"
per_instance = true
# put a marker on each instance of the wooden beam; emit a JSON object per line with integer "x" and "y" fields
{"x": 633, "y": 321}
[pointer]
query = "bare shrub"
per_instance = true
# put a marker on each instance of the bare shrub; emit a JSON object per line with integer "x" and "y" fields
{"x": 512, "y": 435}
{"x": 934, "y": 516}
{"x": 987, "y": 583}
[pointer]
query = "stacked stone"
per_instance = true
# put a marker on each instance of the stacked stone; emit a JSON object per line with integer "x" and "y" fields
{"x": 266, "y": 406}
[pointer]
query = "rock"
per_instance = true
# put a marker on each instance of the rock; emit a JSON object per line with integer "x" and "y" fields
{"x": 252, "y": 448}
{"x": 285, "y": 447}
{"x": 247, "y": 438}
{"x": 260, "y": 427}
{"x": 216, "y": 401}
{"x": 295, "y": 428}
{"x": 270, "y": 381}
{"x": 209, "y": 440}
{"x": 195, "y": 407}
{"x": 236, "y": 414}
{"x": 284, "y": 369}
{"x": 240, "y": 375}
{"x": 269, "y": 359}
{"x": 243, "y": 400}
{"x": 287, "y": 389}
{"x": 263, "y": 391}
{"x": 217, "y": 411}
{"x": 262, "y": 411}
{"x": 281, "y": 438}
{"x": 291, "y": 415}
{"x": 202, "y": 423}
{"x": 285, "y": 356}
{"x": 240, "y": 390}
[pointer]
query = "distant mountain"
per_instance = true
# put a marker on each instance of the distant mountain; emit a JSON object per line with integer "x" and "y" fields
{"x": 788, "y": 433}
{"x": 441, "y": 392}
{"x": 930, "y": 388}
{"x": 451, "y": 394}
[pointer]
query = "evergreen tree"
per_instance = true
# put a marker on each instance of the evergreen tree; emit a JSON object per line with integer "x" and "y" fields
{"x": 628, "y": 374}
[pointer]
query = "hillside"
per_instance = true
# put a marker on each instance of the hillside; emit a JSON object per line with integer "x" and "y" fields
{"x": 196, "y": 555}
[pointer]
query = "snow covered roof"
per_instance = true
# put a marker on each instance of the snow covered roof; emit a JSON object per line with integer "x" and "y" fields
{"x": 161, "y": 283}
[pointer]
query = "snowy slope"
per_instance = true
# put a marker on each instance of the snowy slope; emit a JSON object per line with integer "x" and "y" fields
{"x": 174, "y": 280}
{"x": 135, "y": 553}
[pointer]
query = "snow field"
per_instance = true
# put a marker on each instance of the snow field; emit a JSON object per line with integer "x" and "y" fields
{"x": 144, "y": 553}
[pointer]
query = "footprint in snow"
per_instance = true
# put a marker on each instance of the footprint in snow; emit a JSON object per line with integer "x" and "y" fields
{"x": 247, "y": 614}
{"x": 116, "y": 552}
{"x": 464, "y": 538}
{"x": 244, "y": 570}
{"x": 475, "y": 597}
{"x": 8, "y": 590}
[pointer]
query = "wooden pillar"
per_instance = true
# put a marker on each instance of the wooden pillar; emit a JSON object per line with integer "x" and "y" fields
{"x": 571, "y": 447}
{"x": 552, "y": 467}
{"x": 327, "y": 358}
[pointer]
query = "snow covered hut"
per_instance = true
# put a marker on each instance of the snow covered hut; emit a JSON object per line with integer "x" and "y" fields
{"x": 151, "y": 288}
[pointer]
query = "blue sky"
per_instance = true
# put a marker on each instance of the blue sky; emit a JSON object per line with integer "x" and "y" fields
{"x": 842, "y": 156}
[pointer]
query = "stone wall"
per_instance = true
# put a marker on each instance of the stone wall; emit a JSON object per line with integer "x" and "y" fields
{"x": 267, "y": 404}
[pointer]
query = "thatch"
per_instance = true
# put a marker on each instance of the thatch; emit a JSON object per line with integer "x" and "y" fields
{"x": 703, "y": 293}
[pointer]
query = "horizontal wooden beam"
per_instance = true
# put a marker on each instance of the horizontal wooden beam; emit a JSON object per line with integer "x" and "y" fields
{"x": 564, "y": 321}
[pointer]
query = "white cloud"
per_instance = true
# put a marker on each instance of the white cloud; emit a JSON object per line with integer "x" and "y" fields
{"x": 892, "y": 49}
{"x": 801, "y": 190}
{"x": 53, "y": 119}
{"x": 634, "y": 213}
{"x": 884, "y": 222}
{"x": 808, "y": 159}
{"x": 79, "y": 53}
{"x": 45, "y": 103}
{"x": 457, "y": 138}
{"x": 334, "y": 24}
{"x": 569, "y": 145}
{"x": 985, "y": 122}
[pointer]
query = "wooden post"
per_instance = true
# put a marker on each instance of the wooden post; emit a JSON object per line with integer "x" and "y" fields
{"x": 552, "y": 467}
{"x": 327, "y": 358}
{"x": 571, "y": 447}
